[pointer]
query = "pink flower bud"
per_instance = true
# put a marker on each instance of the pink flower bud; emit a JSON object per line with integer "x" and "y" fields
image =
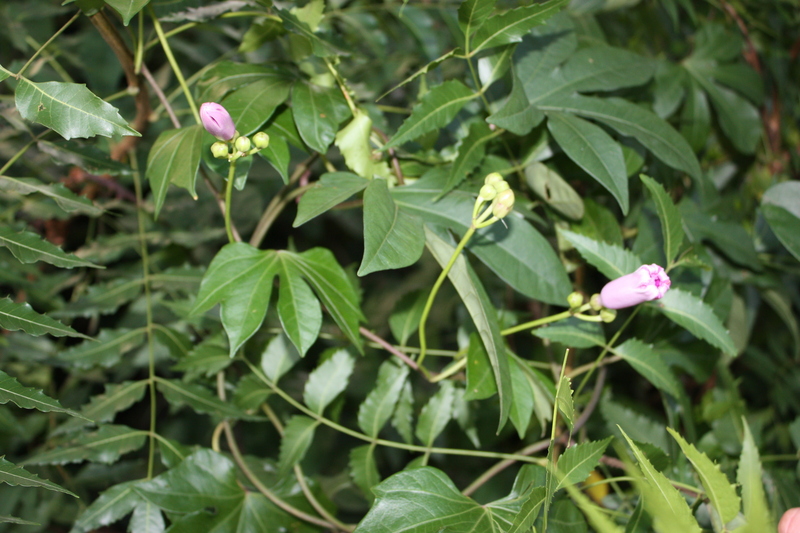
{"x": 790, "y": 521}
{"x": 649, "y": 282}
{"x": 217, "y": 121}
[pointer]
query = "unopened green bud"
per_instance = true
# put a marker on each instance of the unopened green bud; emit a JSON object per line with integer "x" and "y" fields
{"x": 487, "y": 193}
{"x": 242, "y": 144}
{"x": 608, "y": 315}
{"x": 503, "y": 203}
{"x": 501, "y": 186}
{"x": 261, "y": 140}
{"x": 219, "y": 150}
{"x": 494, "y": 177}
{"x": 595, "y": 302}
{"x": 575, "y": 300}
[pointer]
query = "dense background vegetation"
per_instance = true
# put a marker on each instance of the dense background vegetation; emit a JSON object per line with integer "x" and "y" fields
{"x": 631, "y": 132}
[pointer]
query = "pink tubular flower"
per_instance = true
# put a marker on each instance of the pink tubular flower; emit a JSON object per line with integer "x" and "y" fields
{"x": 648, "y": 282}
{"x": 790, "y": 522}
{"x": 217, "y": 121}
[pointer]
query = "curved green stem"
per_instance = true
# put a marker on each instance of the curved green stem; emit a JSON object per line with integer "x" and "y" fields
{"x": 174, "y": 64}
{"x": 228, "y": 195}
{"x": 423, "y": 343}
{"x": 546, "y": 320}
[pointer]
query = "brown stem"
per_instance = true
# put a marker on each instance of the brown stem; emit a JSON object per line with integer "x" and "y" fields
{"x": 135, "y": 85}
{"x": 388, "y": 347}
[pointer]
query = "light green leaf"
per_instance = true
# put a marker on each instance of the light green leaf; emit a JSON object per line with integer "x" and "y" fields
{"x": 512, "y": 25}
{"x": 670, "y": 217}
{"x": 298, "y": 309}
{"x": 29, "y": 247}
{"x": 554, "y": 190}
{"x": 147, "y": 518}
{"x": 404, "y": 319}
{"x": 378, "y": 406}
{"x": 105, "y": 446}
{"x": 524, "y": 520}
{"x": 332, "y": 189}
{"x": 253, "y": 104}
{"x": 353, "y": 143}
{"x": 17, "y": 476}
{"x": 483, "y": 314}
{"x": 403, "y": 417}
{"x": 649, "y": 364}
{"x": 436, "y": 414}
{"x": 240, "y": 279}
{"x": 669, "y": 509}
{"x": 70, "y": 109}
{"x": 435, "y": 110}
{"x": 516, "y": 252}
{"x": 174, "y": 158}
{"x": 470, "y": 154}
{"x": 611, "y": 260}
{"x": 66, "y": 199}
{"x": 127, "y": 10}
{"x": 578, "y": 461}
{"x": 106, "y": 351}
{"x": 524, "y": 401}
{"x": 594, "y": 151}
{"x": 112, "y": 505}
{"x": 749, "y": 476}
{"x": 423, "y": 500}
{"x": 596, "y": 516}
{"x": 564, "y": 401}
{"x": 692, "y": 313}
{"x": 197, "y": 397}
{"x": 473, "y": 13}
{"x": 14, "y": 316}
{"x": 573, "y": 333}
{"x": 392, "y": 237}
{"x": 494, "y": 66}
{"x": 317, "y": 113}
{"x": 364, "y": 470}
{"x": 718, "y": 489}
{"x": 297, "y": 436}
{"x": 279, "y": 356}
{"x": 631, "y": 120}
{"x": 328, "y": 380}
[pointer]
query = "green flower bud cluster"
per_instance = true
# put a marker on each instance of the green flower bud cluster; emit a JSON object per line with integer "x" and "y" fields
{"x": 497, "y": 191}
{"x": 242, "y": 146}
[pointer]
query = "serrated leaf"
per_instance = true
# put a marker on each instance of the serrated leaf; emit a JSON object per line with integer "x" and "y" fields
{"x": 353, "y": 143}
{"x": 364, "y": 470}
{"x": 483, "y": 314}
{"x": 578, "y": 461}
{"x": 718, "y": 489}
{"x": 664, "y": 503}
{"x": 328, "y": 380}
{"x": 279, "y": 356}
{"x": 516, "y": 252}
{"x": 240, "y": 279}
{"x": 633, "y": 121}
{"x": 670, "y": 217}
{"x": 17, "y": 476}
{"x": 65, "y": 198}
{"x": 470, "y": 153}
{"x": 103, "y": 299}
{"x": 112, "y": 505}
{"x": 611, "y": 260}
{"x": 29, "y": 247}
{"x": 28, "y": 397}
{"x": 692, "y": 313}
{"x": 573, "y": 333}
{"x": 380, "y": 403}
{"x": 70, "y": 109}
{"x": 127, "y": 10}
{"x": 106, "y": 350}
{"x": 317, "y": 113}
{"x": 299, "y": 310}
{"x": 297, "y": 436}
{"x": 525, "y": 518}
{"x": 14, "y": 316}
{"x": 436, "y": 414}
{"x": 392, "y": 237}
{"x": 649, "y": 364}
{"x": 105, "y": 446}
{"x": 205, "y": 359}
{"x": 749, "y": 475}
{"x": 198, "y": 398}
{"x": 435, "y": 110}
{"x": 594, "y": 151}
{"x": 147, "y": 518}
{"x": 403, "y": 417}
{"x": 510, "y": 26}
{"x": 404, "y": 319}
{"x": 250, "y": 392}
{"x": 12, "y": 519}
{"x": 102, "y": 408}
{"x": 174, "y": 158}
{"x": 332, "y": 189}
{"x": 564, "y": 401}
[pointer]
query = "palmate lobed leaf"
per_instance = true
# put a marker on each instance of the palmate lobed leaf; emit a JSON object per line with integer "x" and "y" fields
{"x": 70, "y": 109}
